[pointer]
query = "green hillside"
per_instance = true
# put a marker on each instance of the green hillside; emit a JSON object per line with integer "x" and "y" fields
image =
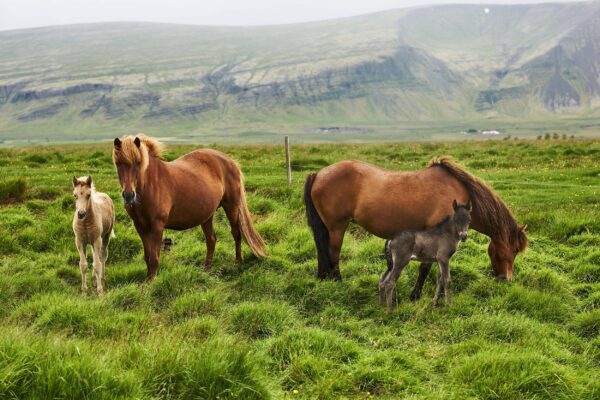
{"x": 419, "y": 73}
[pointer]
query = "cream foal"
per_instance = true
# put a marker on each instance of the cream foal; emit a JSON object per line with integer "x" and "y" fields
{"x": 93, "y": 224}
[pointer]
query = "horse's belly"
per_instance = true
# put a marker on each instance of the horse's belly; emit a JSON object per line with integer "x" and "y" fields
{"x": 385, "y": 220}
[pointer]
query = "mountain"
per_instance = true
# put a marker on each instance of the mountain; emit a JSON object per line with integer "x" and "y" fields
{"x": 408, "y": 73}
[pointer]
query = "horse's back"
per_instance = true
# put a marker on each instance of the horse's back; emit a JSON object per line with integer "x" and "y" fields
{"x": 383, "y": 201}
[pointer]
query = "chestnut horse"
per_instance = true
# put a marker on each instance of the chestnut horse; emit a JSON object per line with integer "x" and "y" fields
{"x": 181, "y": 194}
{"x": 386, "y": 202}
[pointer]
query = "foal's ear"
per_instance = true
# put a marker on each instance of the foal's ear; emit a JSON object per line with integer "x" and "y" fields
{"x": 74, "y": 181}
{"x": 522, "y": 228}
{"x": 117, "y": 143}
{"x": 88, "y": 181}
{"x": 469, "y": 205}
{"x": 454, "y": 204}
{"x": 137, "y": 142}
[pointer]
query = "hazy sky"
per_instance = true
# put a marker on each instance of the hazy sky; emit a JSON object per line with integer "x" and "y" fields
{"x": 15, "y": 14}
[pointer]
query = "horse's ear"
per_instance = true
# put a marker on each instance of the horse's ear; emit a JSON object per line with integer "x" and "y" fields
{"x": 522, "y": 228}
{"x": 137, "y": 142}
{"x": 454, "y": 204}
{"x": 74, "y": 181}
{"x": 88, "y": 181}
{"x": 117, "y": 143}
{"x": 469, "y": 205}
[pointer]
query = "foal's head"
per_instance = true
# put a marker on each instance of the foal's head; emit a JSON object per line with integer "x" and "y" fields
{"x": 82, "y": 191}
{"x": 462, "y": 218}
{"x": 131, "y": 156}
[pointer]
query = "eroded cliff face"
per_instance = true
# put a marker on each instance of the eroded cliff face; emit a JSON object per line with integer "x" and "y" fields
{"x": 397, "y": 71}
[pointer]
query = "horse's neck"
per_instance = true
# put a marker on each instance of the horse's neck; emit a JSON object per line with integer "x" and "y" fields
{"x": 481, "y": 226}
{"x": 151, "y": 175}
{"x": 448, "y": 228}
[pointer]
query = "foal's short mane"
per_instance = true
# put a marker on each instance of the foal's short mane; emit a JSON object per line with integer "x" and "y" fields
{"x": 486, "y": 204}
{"x": 82, "y": 181}
{"x": 130, "y": 153}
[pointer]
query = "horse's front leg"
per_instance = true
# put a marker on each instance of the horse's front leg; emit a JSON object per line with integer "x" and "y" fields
{"x": 152, "y": 240}
{"x": 211, "y": 241}
{"x": 83, "y": 264}
{"x": 98, "y": 268}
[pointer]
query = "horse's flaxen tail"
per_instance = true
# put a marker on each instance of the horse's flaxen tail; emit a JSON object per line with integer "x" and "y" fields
{"x": 249, "y": 233}
{"x": 319, "y": 230}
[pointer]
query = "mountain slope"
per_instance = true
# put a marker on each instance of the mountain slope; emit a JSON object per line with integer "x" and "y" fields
{"x": 427, "y": 67}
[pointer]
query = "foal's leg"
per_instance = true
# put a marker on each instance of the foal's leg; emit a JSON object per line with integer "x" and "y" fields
{"x": 211, "y": 240}
{"x": 83, "y": 264}
{"x": 233, "y": 215}
{"x": 443, "y": 282}
{"x": 390, "y": 264}
{"x": 423, "y": 272}
{"x": 446, "y": 273}
{"x": 400, "y": 261}
{"x": 104, "y": 256}
{"x": 97, "y": 265}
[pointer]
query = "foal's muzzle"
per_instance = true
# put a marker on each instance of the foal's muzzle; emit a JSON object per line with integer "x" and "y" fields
{"x": 129, "y": 197}
{"x": 81, "y": 214}
{"x": 462, "y": 236}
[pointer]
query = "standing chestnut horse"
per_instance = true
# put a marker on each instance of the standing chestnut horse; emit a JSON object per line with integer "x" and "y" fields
{"x": 181, "y": 194}
{"x": 386, "y": 202}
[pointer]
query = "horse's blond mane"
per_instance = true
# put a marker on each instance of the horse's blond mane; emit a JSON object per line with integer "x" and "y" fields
{"x": 130, "y": 153}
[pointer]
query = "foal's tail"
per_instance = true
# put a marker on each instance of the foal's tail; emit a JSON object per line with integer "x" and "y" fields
{"x": 320, "y": 232}
{"x": 251, "y": 236}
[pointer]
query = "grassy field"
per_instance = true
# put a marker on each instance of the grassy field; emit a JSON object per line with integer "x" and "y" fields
{"x": 268, "y": 328}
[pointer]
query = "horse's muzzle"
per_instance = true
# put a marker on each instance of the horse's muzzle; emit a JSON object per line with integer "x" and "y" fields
{"x": 129, "y": 197}
{"x": 463, "y": 236}
{"x": 81, "y": 214}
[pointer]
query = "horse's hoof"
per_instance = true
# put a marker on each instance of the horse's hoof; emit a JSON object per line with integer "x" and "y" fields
{"x": 414, "y": 296}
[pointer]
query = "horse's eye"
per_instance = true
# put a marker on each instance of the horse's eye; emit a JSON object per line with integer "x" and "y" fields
{"x": 75, "y": 195}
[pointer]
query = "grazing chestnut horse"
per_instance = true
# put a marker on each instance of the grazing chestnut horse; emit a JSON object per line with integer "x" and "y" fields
{"x": 386, "y": 202}
{"x": 181, "y": 194}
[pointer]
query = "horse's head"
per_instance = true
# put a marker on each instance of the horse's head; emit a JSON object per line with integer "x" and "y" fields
{"x": 503, "y": 253}
{"x": 130, "y": 157}
{"x": 462, "y": 218}
{"x": 82, "y": 191}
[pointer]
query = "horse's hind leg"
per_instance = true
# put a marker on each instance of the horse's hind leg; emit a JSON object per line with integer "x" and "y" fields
{"x": 423, "y": 272}
{"x": 336, "y": 239}
{"x": 211, "y": 240}
{"x": 83, "y": 264}
{"x": 233, "y": 215}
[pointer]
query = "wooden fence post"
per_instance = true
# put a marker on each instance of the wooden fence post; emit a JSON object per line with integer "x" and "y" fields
{"x": 288, "y": 161}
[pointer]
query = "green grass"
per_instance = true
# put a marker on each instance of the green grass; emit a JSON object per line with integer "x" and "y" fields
{"x": 268, "y": 328}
